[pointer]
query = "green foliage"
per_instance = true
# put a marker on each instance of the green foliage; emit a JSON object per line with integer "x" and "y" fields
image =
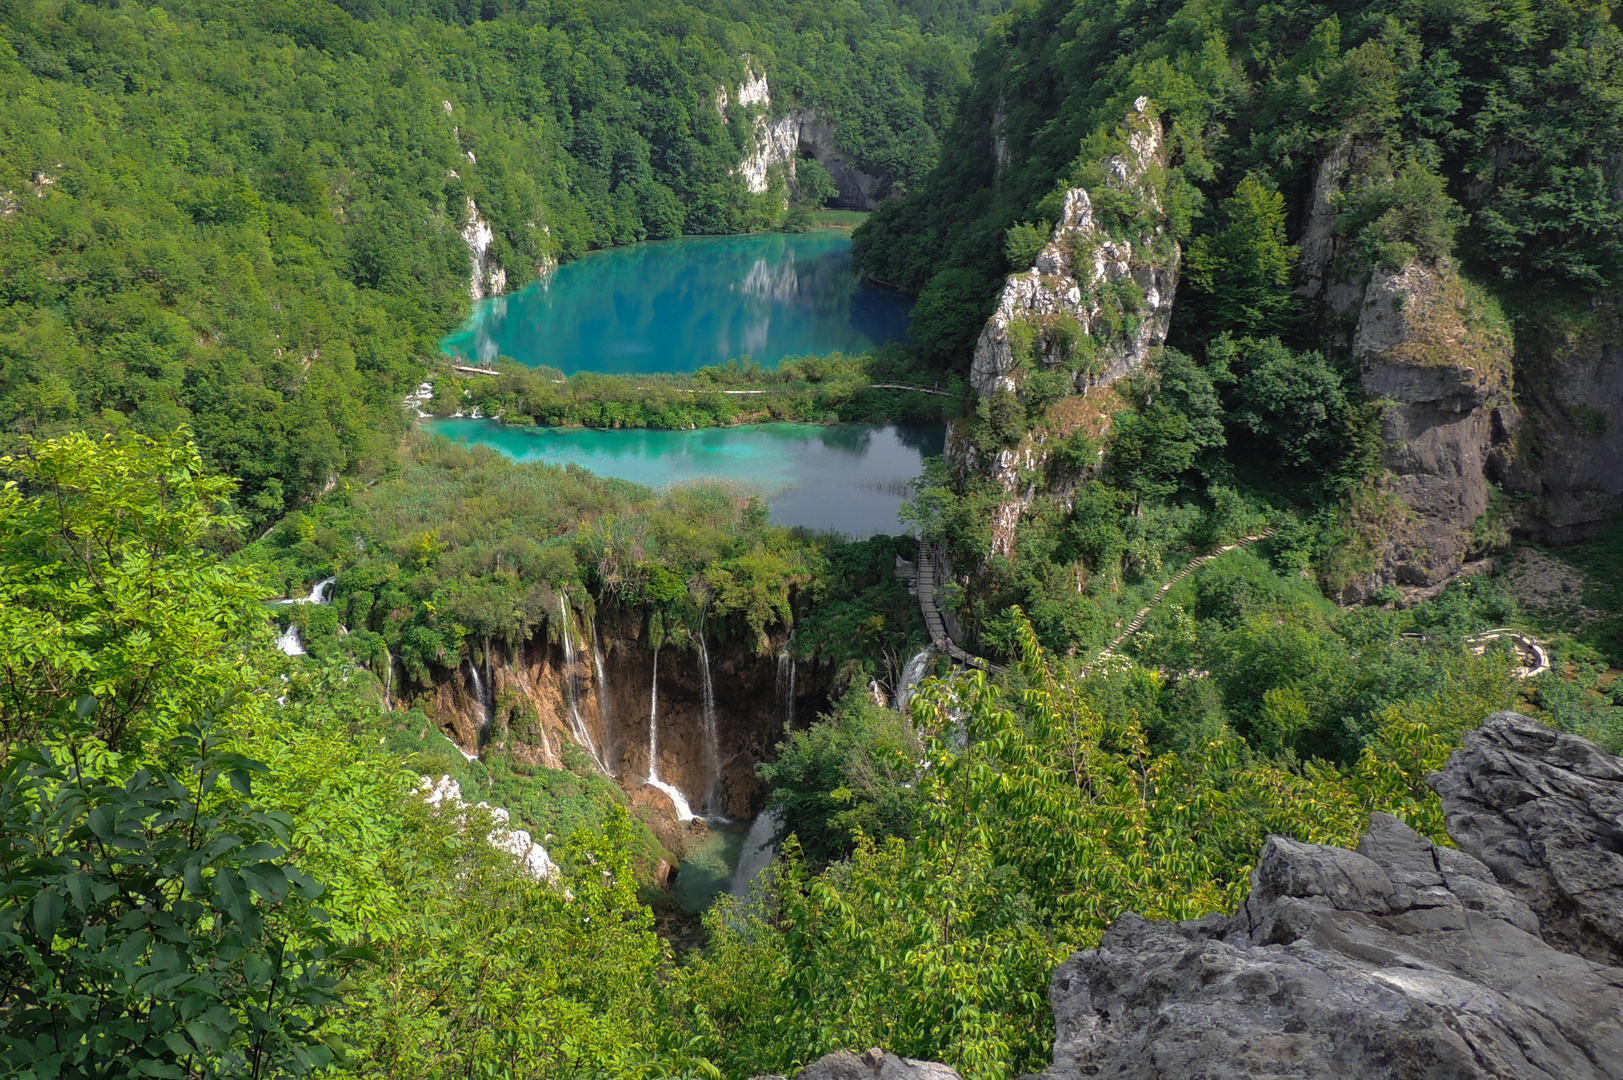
{"x": 950, "y": 312}
{"x": 847, "y": 777}
{"x": 1022, "y": 243}
{"x": 1392, "y": 221}
{"x": 1254, "y": 97}
{"x": 247, "y": 218}
{"x": 1046, "y": 814}
{"x": 809, "y": 389}
{"x": 814, "y": 186}
{"x": 108, "y": 587}
{"x": 155, "y": 926}
{"x": 1242, "y": 270}
{"x": 1294, "y": 414}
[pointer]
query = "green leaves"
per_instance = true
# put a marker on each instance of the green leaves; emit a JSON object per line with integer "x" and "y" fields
{"x": 161, "y": 935}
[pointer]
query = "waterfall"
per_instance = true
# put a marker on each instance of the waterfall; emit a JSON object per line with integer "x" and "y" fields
{"x": 318, "y": 594}
{"x": 289, "y": 642}
{"x": 786, "y": 687}
{"x": 603, "y": 726}
{"x": 712, "y": 747}
{"x": 479, "y": 695}
{"x": 566, "y": 631}
{"x": 683, "y": 811}
{"x": 911, "y": 674}
{"x": 756, "y": 854}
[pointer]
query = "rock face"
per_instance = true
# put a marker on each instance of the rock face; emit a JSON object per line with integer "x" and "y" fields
{"x": 1440, "y": 362}
{"x": 1093, "y": 306}
{"x": 1569, "y": 377}
{"x": 487, "y": 278}
{"x": 873, "y": 1064}
{"x": 779, "y": 143}
{"x": 1401, "y": 959}
{"x": 610, "y": 671}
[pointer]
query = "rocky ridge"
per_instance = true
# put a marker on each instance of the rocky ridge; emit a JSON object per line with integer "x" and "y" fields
{"x": 1498, "y": 959}
{"x": 1092, "y": 308}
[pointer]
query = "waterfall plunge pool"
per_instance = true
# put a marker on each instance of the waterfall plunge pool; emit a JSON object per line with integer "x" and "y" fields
{"x": 846, "y": 478}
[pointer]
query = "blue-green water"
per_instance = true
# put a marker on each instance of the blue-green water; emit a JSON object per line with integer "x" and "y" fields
{"x": 850, "y": 478}
{"x": 678, "y": 305}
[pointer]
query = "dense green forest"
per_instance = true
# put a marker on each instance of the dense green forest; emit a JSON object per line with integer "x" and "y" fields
{"x": 229, "y": 239}
{"x": 246, "y": 217}
{"x": 171, "y": 773}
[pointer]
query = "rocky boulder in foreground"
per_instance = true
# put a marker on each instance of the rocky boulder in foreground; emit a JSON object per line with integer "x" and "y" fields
{"x": 875, "y": 1064}
{"x": 1399, "y": 960}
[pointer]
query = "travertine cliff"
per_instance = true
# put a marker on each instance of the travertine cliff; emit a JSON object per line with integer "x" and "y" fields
{"x": 779, "y": 142}
{"x": 607, "y": 673}
{"x": 1095, "y": 303}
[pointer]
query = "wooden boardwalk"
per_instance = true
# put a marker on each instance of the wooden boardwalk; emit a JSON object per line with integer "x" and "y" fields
{"x": 933, "y": 622}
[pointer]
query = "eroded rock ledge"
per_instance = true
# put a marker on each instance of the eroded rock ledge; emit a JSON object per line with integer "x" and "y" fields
{"x": 1401, "y": 959}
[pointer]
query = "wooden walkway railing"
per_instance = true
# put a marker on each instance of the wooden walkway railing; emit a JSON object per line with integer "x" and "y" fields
{"x": 933, "y": 622}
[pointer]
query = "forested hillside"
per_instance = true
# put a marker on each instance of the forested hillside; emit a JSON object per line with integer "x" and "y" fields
{"x": 1501, "y": 123}
{"x": 1249, "y": 318}
{"x": 251, "y": 218}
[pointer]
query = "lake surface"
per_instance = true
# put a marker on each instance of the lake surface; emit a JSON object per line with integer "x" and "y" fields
{"x": 679, "y": 305}
{"x": 850, "y": 478}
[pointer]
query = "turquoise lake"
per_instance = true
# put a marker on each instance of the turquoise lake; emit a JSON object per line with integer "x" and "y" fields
{"x": 679, "y": 305}
{"x": 849, "y": 478}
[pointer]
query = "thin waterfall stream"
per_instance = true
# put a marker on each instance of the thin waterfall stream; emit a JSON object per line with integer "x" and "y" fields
{"x": 566, "y": 630}
{"x": 912, "y": 674}
{"x": 604, "y": 725}
{"x": 683, "y": 811}
{"x": 712, "y": 742}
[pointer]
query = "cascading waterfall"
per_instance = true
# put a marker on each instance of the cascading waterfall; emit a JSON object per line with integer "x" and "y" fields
{"x": 712, "y": 742}
{"x": 289, "y": 641}
{"x": 911, "y": 675}
{"x": 480, "y": 695}
{"x": 678, "y": 800}
{"x": 603, "y": 716}
{"x": 566, "y": 631}
{"x": 756, "y": 854}
{"x": 786, "y": 686}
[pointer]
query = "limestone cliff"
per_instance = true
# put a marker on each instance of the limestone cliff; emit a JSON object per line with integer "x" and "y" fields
{"x": 1497, "y": 959}
{"x": 1438, "y": 359}
{"x": 779, "y": 142}
{"x": 1467, "y": 402}
{"x": 487, "y": 277}
{"x": 1095, "y": 303}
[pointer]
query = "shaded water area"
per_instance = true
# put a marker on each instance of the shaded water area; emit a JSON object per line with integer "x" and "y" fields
{"x": 849, "y": 478}
{"x": 678, "y": 305}
{"x": 709, "y": 866}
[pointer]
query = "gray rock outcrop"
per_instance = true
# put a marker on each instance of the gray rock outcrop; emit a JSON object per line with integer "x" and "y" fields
{"x": 1441, "y": 367}
{"x": 781, "y": 141}
{"x": 1569, "y": 382}
{"x": 1401, "y": 959}
{"x": 1091, "y": 309}
{"x": 873, "y": 1064}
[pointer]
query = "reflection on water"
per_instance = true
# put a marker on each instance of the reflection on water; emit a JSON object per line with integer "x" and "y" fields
{"x": 850, "y": 478}
{"x": 678, "y": 305}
